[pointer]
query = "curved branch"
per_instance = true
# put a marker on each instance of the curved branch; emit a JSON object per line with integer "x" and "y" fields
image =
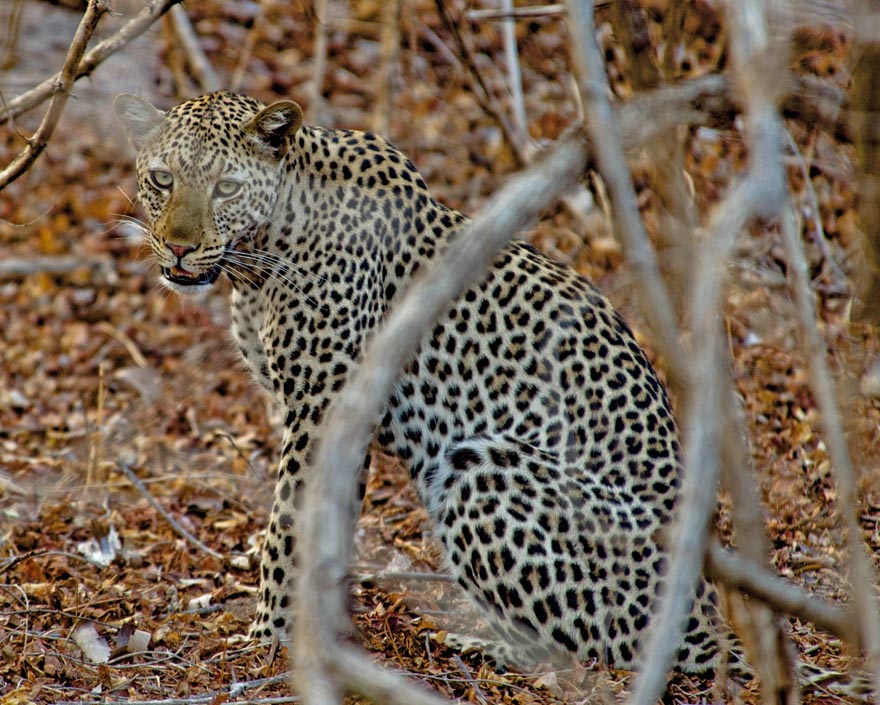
{"x": 330, "y": 506}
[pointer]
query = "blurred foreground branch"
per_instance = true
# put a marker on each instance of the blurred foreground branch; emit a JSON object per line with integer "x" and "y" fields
{"x": 754, "y": 51}
{"x": 863, "y": 577}
{"x": 606, "y": 137}
{"x": 760, "y": 194}
{"x": 326, "y": 667}
{"x": 737, "y": 571}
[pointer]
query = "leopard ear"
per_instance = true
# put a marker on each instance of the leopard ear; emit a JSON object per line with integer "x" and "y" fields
{"x": 138, "y": 117}
{"x": 270, "y": 127}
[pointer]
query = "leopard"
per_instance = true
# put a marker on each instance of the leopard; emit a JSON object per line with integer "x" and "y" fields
{"x": 534, "y": 428}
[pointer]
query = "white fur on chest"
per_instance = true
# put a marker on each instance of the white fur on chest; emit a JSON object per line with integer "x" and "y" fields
{"x": 248, "y": 318}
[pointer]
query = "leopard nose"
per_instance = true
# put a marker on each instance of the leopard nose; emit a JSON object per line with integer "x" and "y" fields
{"x": 180, "y": 251}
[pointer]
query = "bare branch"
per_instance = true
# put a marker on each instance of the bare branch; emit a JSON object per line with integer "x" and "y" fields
{"x": 602, "y": 128}
{"x": 188, "y": 41}
{"x": 15, "y": 267}
{"x": 379, "y": 684}
{"x": 758, "y": 194}
{"x": 701, "y": 455}
{"x": 760, "y": 628}
{"x": 61, "y": 90}
{"x": 129, "y": 31}
{"x": 702, "y": 451}
{"x": 514, "y": 75}
{"x": 864, "y": 579}
{"x": 330, "y": 504}
{"x": 737, "y": 571}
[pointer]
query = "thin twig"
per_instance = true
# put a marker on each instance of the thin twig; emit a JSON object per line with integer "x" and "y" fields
{"x": 142, "y": 488}
{"x": 125, "y": 341}
{"x": 864, "y": 579}
{"x": 131, "y": 30}
{"x": 580, "y": 201}
{"x": 522, "y": 146}
{"x": 256, "y": 30}
{"x": 514, "y": 75}
{"x": 13, "y": 561}
{"x": 403, "y": 575}
{"x": 839, "y": 278}
{"x": 469, "y": 679}
{"x": 233, "y": 691}
{"x": 514, "y": 13}
{"x": 326, "y": 667}
{"x": 61, "y": 90}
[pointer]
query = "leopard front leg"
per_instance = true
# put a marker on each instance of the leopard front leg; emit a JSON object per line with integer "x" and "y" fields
{"x": 278, "y": 564}
{"x": 278, "y": 561}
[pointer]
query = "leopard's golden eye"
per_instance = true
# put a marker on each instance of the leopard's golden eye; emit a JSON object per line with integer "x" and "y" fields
{"x": 226, "y": 188}
{"x": 160, "y": 179}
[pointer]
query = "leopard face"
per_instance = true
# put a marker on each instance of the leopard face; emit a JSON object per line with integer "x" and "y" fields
{"x": 205, "y": 203}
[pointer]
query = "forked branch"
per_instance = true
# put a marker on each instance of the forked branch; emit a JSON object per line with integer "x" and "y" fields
{"x": 92, "y": 59}
{"x": 61, "y": 91}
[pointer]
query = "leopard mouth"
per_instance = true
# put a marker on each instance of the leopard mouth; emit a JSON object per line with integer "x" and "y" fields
{"x": 183, "y": 277}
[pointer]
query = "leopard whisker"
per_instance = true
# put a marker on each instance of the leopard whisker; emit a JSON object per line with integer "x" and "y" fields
{"x": 236, "y": 273}
{"x": 276, "y": 260}
{"x": 142, "y": 230}
{"x": 247, "y": 264}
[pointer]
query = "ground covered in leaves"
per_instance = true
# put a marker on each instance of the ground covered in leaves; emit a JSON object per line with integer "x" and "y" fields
{"x": 113, "y": 590}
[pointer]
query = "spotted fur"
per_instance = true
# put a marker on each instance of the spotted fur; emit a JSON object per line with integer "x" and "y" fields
{"x": 534, "y": 428}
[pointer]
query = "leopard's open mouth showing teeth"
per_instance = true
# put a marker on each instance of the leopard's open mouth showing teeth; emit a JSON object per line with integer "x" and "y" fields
{"x": 186, "y": 278}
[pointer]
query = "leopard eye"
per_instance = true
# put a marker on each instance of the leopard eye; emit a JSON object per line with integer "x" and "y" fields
{"x": 226, "y": 188}
{"x": 160, "y": 179}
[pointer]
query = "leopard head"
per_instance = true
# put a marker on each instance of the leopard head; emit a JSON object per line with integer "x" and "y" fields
{"x": 209, "y": 172}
